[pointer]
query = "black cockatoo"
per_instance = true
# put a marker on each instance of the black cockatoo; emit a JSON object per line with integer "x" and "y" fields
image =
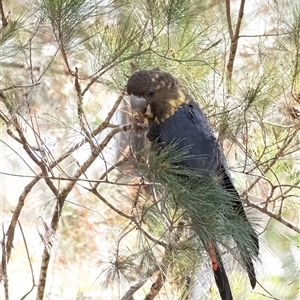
{"x": 174, "y": 118}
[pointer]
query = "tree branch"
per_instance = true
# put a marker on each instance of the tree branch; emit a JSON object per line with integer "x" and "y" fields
{"x": 2, "y": 13}
{"x": 161, "y": 277}
{"x": 129, "y": 294}
{"x": 15, "y": 217}
{"x": 273, "y": 215}
{"x": 30, "y": 264}
{"x": 61, "y": 198}
{"x": 4, "y": 261}
{"x": 156, "y": 286}
{"x": 234, "y": 37}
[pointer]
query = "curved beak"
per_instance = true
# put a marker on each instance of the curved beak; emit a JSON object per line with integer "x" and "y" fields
{"x": 139, "y": 104}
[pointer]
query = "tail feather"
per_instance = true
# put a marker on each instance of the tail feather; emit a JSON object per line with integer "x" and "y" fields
{"x": 219, "y": 272}
{"x": 248, "y": 264}
{"x": 245, "y": 252}
{"x": 251, "y": 273}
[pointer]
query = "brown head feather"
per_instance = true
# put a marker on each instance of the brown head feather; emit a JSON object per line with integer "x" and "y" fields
{"x": 161, "y": 91}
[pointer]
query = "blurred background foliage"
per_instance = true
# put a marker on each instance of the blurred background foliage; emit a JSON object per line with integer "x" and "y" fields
{"x": 70, "y": 186}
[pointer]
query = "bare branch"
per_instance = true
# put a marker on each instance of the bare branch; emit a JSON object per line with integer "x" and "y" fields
{"x": 273, "y": 215}
{"x": 130, "y": 217}
{"x": 161, "y": 277}
{"x": 4, "y": 261}
{"x": 156, "y": 286}
{"x": 25, "y": 86}
{"x": 2, "y": 13}
{"x": 30, "y": 264}
{"x": 16, "y": 214}
{"x": 229, "y": 20}
{"x": 61, "y": 198}
{"x": 20, "y": 156}
{"x": 43, "y": 275}
{"x": 234, "y": 38}
{"x": 129, "y": 294}
{"x": 91, "y": 180}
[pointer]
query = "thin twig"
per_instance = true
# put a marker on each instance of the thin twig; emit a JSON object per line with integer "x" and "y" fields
{"x": 2, "y": 13}
{"x": 109, "y": 65}
{"x": 97, "y": 181}
{"x": 21, "y": 157}
{"x": 4, "y": 265}
{"x": 273, "y": 160}
{"x": 270, "y": 296}
{"x": 15, "y": 217}
{"x": 111, "y": 168}
{"x": 27, "y": 189}
{"x": 161, "y": 277}
{"x": 23, "y": 86}
{"x": 25, "y": 144}
{"x": 129, "y": 294}
{"x": 80, "y": 113}
{"x": 130, "y": 217}
{"x": 273, "y": 215}
{"x": 30, "y": 264}
{"x": 234, "y": 37}
{"x": 61, "y": 198}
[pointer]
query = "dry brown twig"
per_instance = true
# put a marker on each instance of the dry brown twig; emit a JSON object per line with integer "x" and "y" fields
{"x": 46, "y": 167}
{"x": 29, "y": 260}
{"x": 234, "y": 37}
{"x": 62, "y": 195}
{"x": 3, "y": 271}
{"x": 162, "y": 275}
{"x": 2, "y": 13}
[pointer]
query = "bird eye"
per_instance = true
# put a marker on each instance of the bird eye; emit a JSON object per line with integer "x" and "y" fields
{"x": 151, "y": 93}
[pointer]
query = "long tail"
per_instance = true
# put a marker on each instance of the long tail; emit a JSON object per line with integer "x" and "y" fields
{"x": 219, "y": 272}
{"x": 246, "y": 253}
{"x": 247, "y": 262}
